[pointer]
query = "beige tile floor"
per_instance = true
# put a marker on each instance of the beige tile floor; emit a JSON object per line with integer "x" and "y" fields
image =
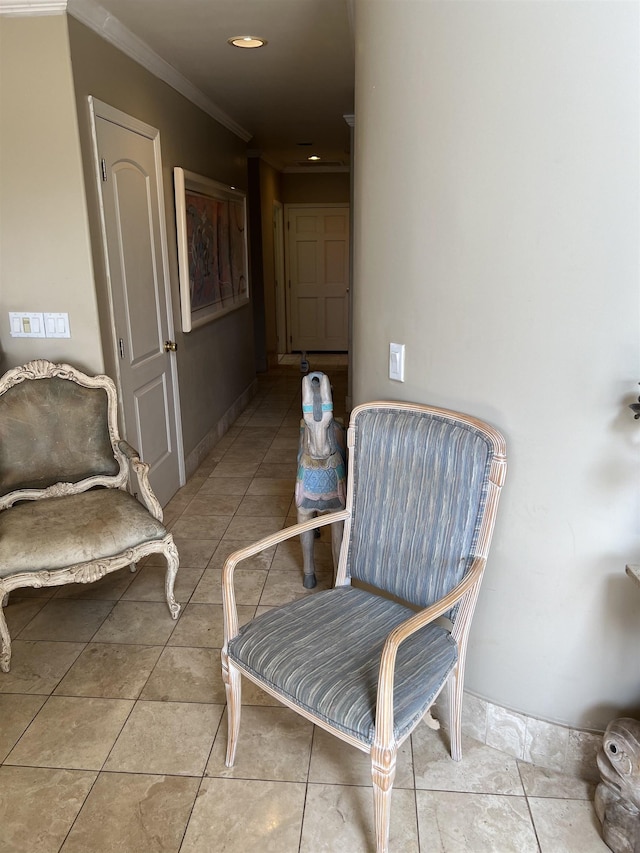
{"x": 112, "y": 719}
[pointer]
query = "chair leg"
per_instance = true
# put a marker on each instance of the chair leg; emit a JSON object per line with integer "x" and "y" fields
{"x": 233, "y": 688}
{"x": 5, "y": 639}
{"x": 454, "y": 687}
{"x": 383, "y": 771}
{"x": 173, "y": 561}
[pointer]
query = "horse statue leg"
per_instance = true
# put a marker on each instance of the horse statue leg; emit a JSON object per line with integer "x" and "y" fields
{"x": 306, "y": 541}
{"x": 336, "y": 542}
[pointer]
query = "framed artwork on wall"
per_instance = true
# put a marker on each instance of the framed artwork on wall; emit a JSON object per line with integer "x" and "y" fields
{"x": 211, "y": 220}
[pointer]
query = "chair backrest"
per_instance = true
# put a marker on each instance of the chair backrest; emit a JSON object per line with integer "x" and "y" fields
{"x": 423, "y": 490}
{"x": 57, "y": 425}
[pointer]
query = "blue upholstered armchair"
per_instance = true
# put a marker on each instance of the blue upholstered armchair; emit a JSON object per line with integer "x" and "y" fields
{"x": 366, "y": 659}
{"x": 65, "y": 513}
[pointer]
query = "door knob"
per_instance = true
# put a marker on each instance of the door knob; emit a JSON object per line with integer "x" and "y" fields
{"x": 170, "y": 346}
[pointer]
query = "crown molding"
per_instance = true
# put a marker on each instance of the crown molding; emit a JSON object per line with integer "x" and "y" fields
{"x": 110, "y": 29}
{"x": 308, "y": 170}
{"x": 31, "y": 8}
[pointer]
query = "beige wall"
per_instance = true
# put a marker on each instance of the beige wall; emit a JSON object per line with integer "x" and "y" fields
{"x": 502, "y": 249}
{"x": 322, "y": 188}
{"x": 216, "y": 361}
{"x": 45, "y": 257}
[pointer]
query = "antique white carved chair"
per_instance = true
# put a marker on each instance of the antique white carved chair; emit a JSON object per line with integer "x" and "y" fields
{"x": 65, "y": 513}
{"x": 366, "y": 659}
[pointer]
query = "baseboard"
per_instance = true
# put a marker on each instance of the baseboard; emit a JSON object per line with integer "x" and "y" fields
{"x": 204, "y": 447}
{"x": 555, "y": 747}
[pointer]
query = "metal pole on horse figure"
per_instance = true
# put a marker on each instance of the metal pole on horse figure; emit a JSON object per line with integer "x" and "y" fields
{"x": 321, "y": 482}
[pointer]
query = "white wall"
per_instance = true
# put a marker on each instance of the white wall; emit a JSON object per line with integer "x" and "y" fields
{"x": 496, "y": 203}
{"x": 45, "y": 257}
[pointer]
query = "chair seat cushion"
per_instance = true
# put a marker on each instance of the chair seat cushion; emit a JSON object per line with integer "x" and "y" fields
{"x": 323, "y": 653}
{"x": 55, "y": 533}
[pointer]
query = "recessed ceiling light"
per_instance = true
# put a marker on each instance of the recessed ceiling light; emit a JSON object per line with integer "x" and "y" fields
{"x": 247, "y": 41}
{"x": 313, "y": 157}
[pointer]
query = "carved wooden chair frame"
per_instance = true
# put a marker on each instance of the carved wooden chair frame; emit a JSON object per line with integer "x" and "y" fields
{"x": 127, "y": 459}
{"x": 458, "y": 603}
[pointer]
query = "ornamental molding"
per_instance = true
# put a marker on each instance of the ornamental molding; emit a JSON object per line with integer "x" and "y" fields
{"x": 27, "y": 8}
{"x": 108, "y": 27}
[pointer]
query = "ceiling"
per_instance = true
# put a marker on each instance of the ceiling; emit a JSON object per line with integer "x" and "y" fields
{"x": 296, "y": 89}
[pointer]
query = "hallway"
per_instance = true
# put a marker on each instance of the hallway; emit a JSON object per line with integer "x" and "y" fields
{"x": 112, "y": 733}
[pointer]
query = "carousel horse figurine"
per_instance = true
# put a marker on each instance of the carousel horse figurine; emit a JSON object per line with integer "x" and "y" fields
{"x": 617, "y": 799}
{"x": 321, "y": 479}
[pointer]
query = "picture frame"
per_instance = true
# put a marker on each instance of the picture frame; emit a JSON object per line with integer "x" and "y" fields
{"x": 213, "y": 263}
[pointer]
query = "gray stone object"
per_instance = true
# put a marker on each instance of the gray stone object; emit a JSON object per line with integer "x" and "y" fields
{"x": 617, "y": 798}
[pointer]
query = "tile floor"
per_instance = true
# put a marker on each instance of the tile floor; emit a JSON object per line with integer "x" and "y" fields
{"x": 112, "y": 719}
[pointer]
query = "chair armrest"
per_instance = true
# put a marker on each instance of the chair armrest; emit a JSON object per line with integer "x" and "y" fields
{"x": 384, "y": 702}
{"x": 142, "y": 473}
{"x": 228, "y": 593}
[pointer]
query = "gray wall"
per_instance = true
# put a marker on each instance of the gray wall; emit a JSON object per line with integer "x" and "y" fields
{"x": 215, "y": 362}
{"x": 500, "y": 246}
{"x": 321, "y": 188}
{"x": 51, "y": 245}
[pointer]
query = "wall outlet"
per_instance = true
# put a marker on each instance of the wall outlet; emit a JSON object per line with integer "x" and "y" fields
{"x": 396, "y": 362}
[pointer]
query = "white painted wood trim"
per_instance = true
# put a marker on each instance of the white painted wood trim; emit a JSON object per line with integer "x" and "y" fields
{"x": 108, "y": 27}
{"x": 307, "y": 170}
{"x": 32, "y": 8}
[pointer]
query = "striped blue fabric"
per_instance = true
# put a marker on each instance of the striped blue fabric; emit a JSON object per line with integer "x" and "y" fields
{"x": 420, "y": 485}
{"x": 323, "y": 653}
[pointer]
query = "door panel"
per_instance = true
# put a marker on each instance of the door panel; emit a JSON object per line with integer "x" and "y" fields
{"x": 152, "y": 412}
{"x": 318, "y": 270}
{"x": 131, "y": 193}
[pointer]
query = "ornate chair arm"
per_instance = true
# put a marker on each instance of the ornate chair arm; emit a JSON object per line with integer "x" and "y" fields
{"x": 141, "y": 470}
{"x": 384, "y": 704}
{"x": 228, "y": 593}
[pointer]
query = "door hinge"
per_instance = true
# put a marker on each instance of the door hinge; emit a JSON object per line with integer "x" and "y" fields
{"x": 103, "y": 169}
{"x": 121, "y": 347}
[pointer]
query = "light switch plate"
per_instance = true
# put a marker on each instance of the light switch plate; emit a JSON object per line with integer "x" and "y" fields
{"x": 396, "y": 362}
{"x": 26, "y": 324}
{"x": 57, "y": 325}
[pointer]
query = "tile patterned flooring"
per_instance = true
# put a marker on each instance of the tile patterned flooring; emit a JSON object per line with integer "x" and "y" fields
{"x": 112, "y": 719}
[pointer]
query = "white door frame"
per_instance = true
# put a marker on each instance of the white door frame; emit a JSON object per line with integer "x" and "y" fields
{"x": 99, "y": 109}
{"x": 279, "y": 272}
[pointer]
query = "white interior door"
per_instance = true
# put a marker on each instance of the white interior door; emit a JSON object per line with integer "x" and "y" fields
{"x": 318, "y": 272}
{"x": 130, "y": 180}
